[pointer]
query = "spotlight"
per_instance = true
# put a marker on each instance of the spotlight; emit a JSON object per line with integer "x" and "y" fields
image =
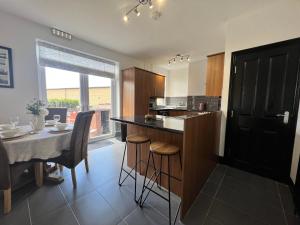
{"x": 137, "y": 12}
{"x": 125, "y": 18}
{"x": 150, "y": 5}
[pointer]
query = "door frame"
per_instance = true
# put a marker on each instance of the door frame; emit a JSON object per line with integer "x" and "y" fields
{"x": 293, "y": 120}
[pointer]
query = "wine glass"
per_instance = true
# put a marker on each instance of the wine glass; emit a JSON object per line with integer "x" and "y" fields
{"x": 56, "y": 118}
{"x": 14, "y": 121}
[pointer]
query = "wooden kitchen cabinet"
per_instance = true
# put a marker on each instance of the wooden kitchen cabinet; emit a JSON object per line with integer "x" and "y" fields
{"x": 214, "y": 74}
{"x": 177, "y": 112}
{"x": 137, "y": 87}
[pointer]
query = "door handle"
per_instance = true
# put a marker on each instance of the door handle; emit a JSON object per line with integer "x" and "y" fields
{"x": 285, "y": 116}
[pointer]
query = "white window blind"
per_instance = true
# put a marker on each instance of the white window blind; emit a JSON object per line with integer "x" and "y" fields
{"x": 68, "y": 59}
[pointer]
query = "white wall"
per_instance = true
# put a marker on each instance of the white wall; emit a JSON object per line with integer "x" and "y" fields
{"x": 278, "y": 22}
{"x": 177, "y": 82}
{"x": 197, "y": 78}
{"x": 20, "y": 35}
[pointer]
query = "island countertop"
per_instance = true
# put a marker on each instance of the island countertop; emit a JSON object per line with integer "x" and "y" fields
{"x": 171, "y": 124}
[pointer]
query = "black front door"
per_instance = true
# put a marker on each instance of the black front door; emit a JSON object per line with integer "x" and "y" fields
{"x": 263, "y": 107}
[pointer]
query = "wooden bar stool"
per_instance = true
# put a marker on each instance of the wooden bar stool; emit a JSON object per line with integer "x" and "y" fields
{"x": 138, "y": 140}
{"x": 163, "y": 150}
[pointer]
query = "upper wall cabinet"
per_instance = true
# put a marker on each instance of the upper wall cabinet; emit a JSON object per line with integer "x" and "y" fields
{"x": 138, "y": 86}
{"x": 214, "y": 74}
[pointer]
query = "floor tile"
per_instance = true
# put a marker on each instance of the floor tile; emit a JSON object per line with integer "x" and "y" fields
{"x": 293, "y": 219}
{"x": 18, "y": 216}
{"x": 251, "y": 203}
{"x": 146, "y": 216}
{"x": 119, "y": 198}
{"x": 286, "y": 198}
{"x": 84, "y": 187}
{"x": 212, "y": 221}
{"x": 252, "y": 179}
{"x": 199, "y": 210}
{"x": 227, "y": 215}
{"x": 217, "y": 175}
{"x": 62, "y": 216}
{"x": 210, "y": 188}
{"x": 45, "y": 200}
{"x": 92, "y": 209}
{"x": 241, "y": 198}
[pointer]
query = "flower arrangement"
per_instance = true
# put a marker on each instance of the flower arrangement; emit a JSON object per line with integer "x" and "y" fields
{"x": 37, "y": 108}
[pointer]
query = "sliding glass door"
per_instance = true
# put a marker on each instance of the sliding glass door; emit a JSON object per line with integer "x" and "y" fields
{"x": 100, "y": 100}
{"x": 80, "y": 92}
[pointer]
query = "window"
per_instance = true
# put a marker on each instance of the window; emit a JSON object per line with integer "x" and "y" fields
{"x": 79, "y": 82}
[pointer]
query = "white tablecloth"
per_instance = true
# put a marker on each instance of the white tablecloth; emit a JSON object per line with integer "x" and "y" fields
{"x": 43, "y": 145}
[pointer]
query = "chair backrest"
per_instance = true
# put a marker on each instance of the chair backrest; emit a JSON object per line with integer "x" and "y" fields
{"x": 80, "y": 137}
{"x": 57, "y": 111}
{"x": 4, "y": 168}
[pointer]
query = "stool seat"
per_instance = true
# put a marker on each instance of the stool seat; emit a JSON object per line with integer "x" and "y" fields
{"x": 156, "y": 144}
{"x": 137, "y": 139}
{"x": 166, "y": 150}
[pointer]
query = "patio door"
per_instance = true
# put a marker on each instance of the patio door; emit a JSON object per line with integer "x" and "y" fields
{"x": 78, "y": 82}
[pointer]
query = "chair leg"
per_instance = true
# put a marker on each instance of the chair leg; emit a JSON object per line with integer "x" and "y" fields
{"x": 74, "y": 178}
{"x": 7, "y": 201}
{"x": 86, "y": 165}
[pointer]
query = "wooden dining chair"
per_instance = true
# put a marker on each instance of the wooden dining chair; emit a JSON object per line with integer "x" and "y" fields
{"x": 77, "y": 152}
{"x": 9, "y": 176}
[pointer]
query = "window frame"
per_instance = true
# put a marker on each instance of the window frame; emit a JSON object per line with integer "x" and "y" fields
{"x": 84, "y": 90}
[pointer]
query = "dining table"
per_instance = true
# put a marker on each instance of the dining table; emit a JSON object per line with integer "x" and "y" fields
{"x": 37, "y": 147}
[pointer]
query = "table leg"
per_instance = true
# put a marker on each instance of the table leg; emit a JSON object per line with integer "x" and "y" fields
{"x": 7, "y": 201}
{"x": 38, "y": 170}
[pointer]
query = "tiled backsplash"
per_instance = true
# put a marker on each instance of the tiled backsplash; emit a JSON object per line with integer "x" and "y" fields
{"x": 176, "y": 101}
{"x": 192, "y": 102}
{"x": 212, "y": 103}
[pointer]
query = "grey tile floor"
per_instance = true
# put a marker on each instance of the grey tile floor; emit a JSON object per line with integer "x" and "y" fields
{"x": 230, "y": 197}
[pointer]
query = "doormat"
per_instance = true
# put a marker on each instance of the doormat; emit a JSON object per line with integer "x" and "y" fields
{"x": 99, "y": 144}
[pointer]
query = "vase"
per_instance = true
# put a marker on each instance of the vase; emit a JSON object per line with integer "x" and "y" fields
{"x": 38, "y": 122}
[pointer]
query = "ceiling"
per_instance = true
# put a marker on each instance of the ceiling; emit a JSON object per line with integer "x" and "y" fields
{"x": 194, "y": 27}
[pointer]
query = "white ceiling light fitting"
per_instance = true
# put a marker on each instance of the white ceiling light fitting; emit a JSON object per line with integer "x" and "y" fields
{"x": 180, "y": 58}
{"x": 136, "y": 10}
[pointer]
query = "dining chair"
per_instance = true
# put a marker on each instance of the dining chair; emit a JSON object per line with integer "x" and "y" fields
{"x": 77, "y": 152}
{"x": 57, "y": 111}
{"x": 9, "y": 176}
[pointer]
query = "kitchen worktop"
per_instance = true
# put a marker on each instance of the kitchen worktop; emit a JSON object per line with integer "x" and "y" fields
{"x": 177, "y": 108}
{"x": 171, "y": 124}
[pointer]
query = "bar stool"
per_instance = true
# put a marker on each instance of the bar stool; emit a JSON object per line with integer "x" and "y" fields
{"x": 138, "y": 140}
{"x": 163, "y": 150}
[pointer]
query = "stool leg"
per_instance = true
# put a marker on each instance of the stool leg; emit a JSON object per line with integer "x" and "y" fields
{"x": 122, "y": 164}
{"x": 160, "y": 172}
{"x": 169, "y": 189}
{"x": 135, "y": 170}
{"x": 144, "y": 183}
{"x": 180, "y": 161}
{"x": 140, "y": 158}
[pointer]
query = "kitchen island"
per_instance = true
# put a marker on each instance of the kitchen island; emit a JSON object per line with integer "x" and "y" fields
{"x": 196, "y": 136}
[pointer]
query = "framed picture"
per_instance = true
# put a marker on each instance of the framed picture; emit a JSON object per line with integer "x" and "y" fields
{"x": 6, "y": 70}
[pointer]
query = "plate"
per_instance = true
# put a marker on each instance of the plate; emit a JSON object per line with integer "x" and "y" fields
{"x": 18, "y": 135}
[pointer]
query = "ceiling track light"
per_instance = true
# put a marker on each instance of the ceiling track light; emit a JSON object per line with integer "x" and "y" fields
{"x": 135, "y": 8}
{"x": 180, "y": 58}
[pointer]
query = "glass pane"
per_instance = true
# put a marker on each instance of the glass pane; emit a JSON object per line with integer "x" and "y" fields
{"x": 63, "y": 91}
{"x": 100, "y": 101}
